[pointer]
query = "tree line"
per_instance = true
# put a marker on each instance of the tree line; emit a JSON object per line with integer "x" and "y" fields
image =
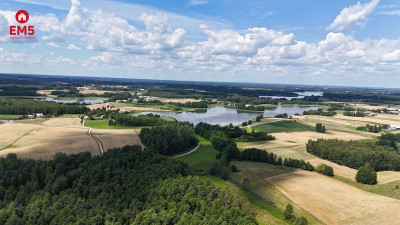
{"x": 124, "y": 186}
{"x": 355, "y": 154}
{"x": 29, "y": 106}
{"x": 141, "y": 120}
{"x": 373, "y": 128}
{"x": 319, "y": 112}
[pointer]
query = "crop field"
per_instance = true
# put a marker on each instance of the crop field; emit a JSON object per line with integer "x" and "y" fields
{"x": 181, "y": 100}
{"x": 63, "y": 122}
{"x": 282, "y": 126}
{"x": 86, "y": 90}
{"x": 203, "y": 157}
{"x": 334, "y": 202}
{"x": 42, "y": 142}
{"x": 114, "y": 138}
{"x": 252, "y": 177}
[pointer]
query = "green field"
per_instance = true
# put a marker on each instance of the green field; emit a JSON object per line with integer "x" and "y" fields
{"x": 282, "y": 126}
{"x": 103, "y": 124}
{"x": 9, "y": 117}
{"x": 203, "y": 157}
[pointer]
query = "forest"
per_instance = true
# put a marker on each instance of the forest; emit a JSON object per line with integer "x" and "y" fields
{"x": 81, "y": 189}
{"x": 319, "y": 112}
{"x": 355, "y": 154}
{"x": 169, "y": 138}
{"x": 141, "y": 120}
{"x": 28, "y": 106}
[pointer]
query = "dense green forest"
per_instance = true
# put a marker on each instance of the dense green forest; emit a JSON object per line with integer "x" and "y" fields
{"x": 355, "y": 154}
{"x": 169, "y": 138}
{"x": 28, "y": 106}
{"x": 124, "y": 186}
{"x": 141, "y": 120}
{"x": 319, "y": 112}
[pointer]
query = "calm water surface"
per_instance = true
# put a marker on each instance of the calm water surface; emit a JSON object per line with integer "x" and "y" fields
{"x": 86, "y": 101}
{"x": 223, "y": 115}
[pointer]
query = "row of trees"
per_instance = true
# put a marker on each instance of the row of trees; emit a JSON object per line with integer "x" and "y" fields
{"x": 200, "y": 105}
{"x": 354, "y": 114}
{"x": 169, "y": 138}
{"x": 373, "y": 128}
{"x": 124, "y": 186}
{"x": 355, "y": 154}
{"x": 319, "y": 112}
{"x": 29, "y": 106}
{"x": 141, "y": 120}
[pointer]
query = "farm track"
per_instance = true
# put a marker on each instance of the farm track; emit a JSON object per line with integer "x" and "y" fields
{"x": 99, "y": 143}
{"x": 187, "y": 153}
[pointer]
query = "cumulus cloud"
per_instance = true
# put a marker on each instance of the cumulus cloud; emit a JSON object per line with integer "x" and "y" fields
{"x": 198, "y": 2}
{"x": 73, "y": 47}
{"x": 52, "y": 44}
{"x": 353, "y": 15}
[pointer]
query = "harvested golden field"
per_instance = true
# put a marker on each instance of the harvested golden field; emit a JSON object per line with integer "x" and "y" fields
{"x": 44, "y": 141}
{"x": 44, "y": 92}
{"x": 11, "y": 132}
{"x": 39, "y": 141}
{"x": 63, "y": 122}
{"x": 97, "y": 106}
{"x": 116, "y": 138}
{"x": 181, "y": 100}
{"x": 334, "y": 202}
{"x": 86, "y": 90}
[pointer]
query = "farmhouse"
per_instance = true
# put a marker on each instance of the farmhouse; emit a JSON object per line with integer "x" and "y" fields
{"x": 39, "y": 115}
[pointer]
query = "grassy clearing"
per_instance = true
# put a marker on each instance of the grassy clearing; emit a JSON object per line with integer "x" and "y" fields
{"x": 283, "y": 126}
{"x": 9, "y": 117}
{"x": 203, "y": 157}
{"x": 103, "y": 124}
{"x": 266, "y": 213}
{"x": 391, "y": 190}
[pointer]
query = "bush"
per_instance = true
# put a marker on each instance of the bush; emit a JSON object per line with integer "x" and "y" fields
{"x": 288, "y": 212}
{"x": 244, "y": 123}
{"x": 320, "y": 128}
{"x": 325, "y": 169}
{"x": 366, "y": 175}
{"x": 301, "y": 221}
{"x": 250, "y": 122}
{"x": 234, "y": 168}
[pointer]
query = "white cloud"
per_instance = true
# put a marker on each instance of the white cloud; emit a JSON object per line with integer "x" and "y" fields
{"x": 73, "y": 47}
{"x": 353, "y": 15}
{"x": 392, "y": 13}
{"x": 52, "y": 44}
{"x": 198, "y": 2}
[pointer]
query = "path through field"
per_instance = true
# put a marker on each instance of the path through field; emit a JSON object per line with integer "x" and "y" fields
{"x": 334, "y": 202}
{"x": 101, "y": 148}
{"x": 187, "y": 153}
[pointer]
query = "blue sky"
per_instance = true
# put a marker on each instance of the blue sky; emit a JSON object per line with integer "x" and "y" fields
{"x": 331, "y": 42}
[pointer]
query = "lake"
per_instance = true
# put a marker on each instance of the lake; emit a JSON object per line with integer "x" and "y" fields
{"x": 86, "y": 101}
{"x": 300, "y": 95}
{"x": 223, "y": 115}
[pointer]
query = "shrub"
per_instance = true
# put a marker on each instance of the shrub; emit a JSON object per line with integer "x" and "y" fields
{"x": 244, "y": 123}
{"x": 325, "y": 169}
{"x": 234, "y": 168}
{"x": 320, "y": 128}
{"x": 301, "y": 221}
{"x": 288, "y": 212}
{"x": 366, "y": 175}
